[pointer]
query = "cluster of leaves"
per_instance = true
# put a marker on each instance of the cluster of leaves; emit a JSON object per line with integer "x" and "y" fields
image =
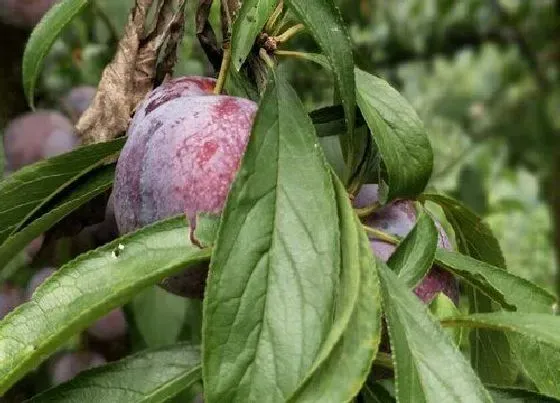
{"x": 295, "y": 299}
{"x": 468, "y": 68}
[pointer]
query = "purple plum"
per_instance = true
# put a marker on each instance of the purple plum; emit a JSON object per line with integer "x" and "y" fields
{"x": 68, "y": 365}
{"x": 10, "y": 298}
{"x": 24, "y": 13}
{"x": 38, "y": 279}
{"x": 110, "y": 327}
{"x": 183, "y": 151}
{"x": 398, "y": 218}
{"x": 76, "y": 102}
{"x": 37, "y": 135}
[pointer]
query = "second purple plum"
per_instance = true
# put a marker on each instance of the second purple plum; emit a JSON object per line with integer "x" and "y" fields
{"x": 398, "y": 218}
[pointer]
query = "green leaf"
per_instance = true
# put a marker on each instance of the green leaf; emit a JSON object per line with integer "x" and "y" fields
{"x": 159, "y": 316}
{"x": 42, "y": 39}
{"x": 250, "y": 20}
{"x": 323, "y": 20}
{"x": 513, "y": 395}
{"x": 89, "y": 287}
{"x": 491, "y": 354}
{"x": 93, "y": 184}
{"x": 329, "y": 121}
{"x": 415, "y": 254}
{"x": 149, "y": 376}
{"x": 26, "y": 190}
{"x": 442, "y": 307}
{"x": 238, "y": 85}
{"x": 206, "y": 230}
{"x": 400, "y": 137}
{"x": 540, "y": 361}
{"x": 508, "y": 290}
{"x": 473, "y": 236}
{"x": 428, "y": 367}
{"x": 275, "y": 268}
{"x": 340, "y": 376}
{"x": 539, "y": 326}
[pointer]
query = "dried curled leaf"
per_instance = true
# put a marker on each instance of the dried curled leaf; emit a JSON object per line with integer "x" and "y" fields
{"x": 132, "y": 73}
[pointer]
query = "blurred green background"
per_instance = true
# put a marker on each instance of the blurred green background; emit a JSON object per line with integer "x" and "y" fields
{"x": 482, "y": 74}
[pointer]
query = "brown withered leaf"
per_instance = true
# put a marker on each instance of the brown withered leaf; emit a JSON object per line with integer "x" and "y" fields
{"x": 170, "y": 17}
{"x": 131, "y": 73}
{"x": 109, "y": 112}
{"x": 165, "y": 67}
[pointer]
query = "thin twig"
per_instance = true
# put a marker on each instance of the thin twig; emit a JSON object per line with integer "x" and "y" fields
{"x": 381, "y": 235}
{"x": 224, "y": 70}
{"x": 289, "y": 33}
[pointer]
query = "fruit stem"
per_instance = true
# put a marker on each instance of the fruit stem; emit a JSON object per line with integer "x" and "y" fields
{"x": 381, "y": 235}
{"x": 224, "y": 69}
{"x": 299, "y": 55}
{"x": 366, "y": 211}
{"x": 289, "y": 33}
{"x": 274, "y": 17}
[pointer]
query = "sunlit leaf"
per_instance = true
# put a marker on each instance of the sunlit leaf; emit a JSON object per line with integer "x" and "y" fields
{"x": 89, "y": 287}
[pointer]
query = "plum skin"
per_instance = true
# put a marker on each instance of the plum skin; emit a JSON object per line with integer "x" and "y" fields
{"x": 110, "y": 327}
{"x": 11, "y": 297}
{"x": 183, "y": 151}
{"x": 37, "y": 279}
{"x": 398, "y": 218}
{"x": 78, "y": 100}
{"x": 24, "y": 13}
{"x": 68, "y": 365}
{"x": 34, "y": 136}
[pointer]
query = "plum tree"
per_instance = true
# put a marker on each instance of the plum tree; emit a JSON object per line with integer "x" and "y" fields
{"x": 183, "y": 150}
{"x": 398, "y": 218}
{"x": 36, "y": 280}
{"x": 11, "y": 297}
{"x": 68, "y": 365}
{"x": 37, "y": 135}
{"x": 24, "y": 13}
{"x": 110, "y": 327}
{"x": 78, "y": 100}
